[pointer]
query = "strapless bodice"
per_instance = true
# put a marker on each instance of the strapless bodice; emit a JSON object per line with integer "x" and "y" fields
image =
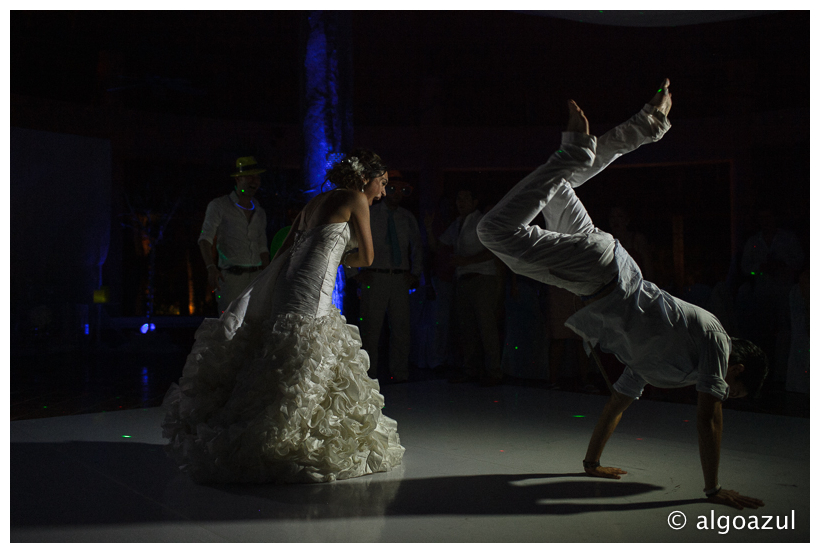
{"x": 307, "y": 278}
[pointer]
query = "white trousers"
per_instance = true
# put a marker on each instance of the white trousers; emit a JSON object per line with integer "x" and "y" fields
{"x": 231, "y": 287}
{"x": 571, "y": 252}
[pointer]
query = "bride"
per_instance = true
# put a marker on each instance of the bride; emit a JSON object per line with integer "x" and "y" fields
{"x": 276, "y": 389}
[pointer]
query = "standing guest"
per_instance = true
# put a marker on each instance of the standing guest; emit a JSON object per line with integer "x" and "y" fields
{"x": 772, "y": 259}
{"x": 478, "y": 293}
{"x": 797, "y": 377}
{"x": 238, "y": 223}
{"x": 525, "y": 352}
{"x": 387, "y": 282}
{"x": 441, "y": 349}
{"x": 564, "y": 343}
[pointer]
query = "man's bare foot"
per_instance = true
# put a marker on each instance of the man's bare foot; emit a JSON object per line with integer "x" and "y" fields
{"x": 577, "y": 120}
{"x": 663, "y": 98}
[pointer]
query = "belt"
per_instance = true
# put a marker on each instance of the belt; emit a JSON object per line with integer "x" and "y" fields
{"x": 469, "y": 276}
{"x": 387, "y": 271}
{"x": 239, "y": 270}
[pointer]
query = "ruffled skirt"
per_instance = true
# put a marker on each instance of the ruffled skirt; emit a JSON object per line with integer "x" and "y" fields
{"x": 287, "y": 400}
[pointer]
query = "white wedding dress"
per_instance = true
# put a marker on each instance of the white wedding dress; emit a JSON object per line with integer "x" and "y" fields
{"x": 276, "y": 389}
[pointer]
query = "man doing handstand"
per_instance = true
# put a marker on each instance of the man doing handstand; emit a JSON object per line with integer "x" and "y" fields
{"x": 662, "y": 340}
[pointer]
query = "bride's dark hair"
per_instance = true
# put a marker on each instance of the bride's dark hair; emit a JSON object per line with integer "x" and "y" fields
{"x": 359, "y": 163}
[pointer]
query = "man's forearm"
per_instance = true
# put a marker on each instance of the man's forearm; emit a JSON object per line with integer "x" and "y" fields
{"x": 354, "y": 259}
{"x": 206, "y": 249}
{"x": 710, "y": 431}
{"x": 610, "y": 417}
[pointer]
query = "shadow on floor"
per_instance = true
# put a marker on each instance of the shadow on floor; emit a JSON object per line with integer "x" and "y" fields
{"x": 114, "y": 483}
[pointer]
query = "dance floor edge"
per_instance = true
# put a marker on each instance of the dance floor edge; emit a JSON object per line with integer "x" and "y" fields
{"x": 482, "y": 465}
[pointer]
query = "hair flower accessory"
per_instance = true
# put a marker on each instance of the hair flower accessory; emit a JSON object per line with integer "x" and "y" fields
{"x": 355, "y": 165}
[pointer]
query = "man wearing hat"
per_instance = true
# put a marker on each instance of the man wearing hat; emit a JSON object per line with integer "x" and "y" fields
{"x": 387, "y": 282}
{"x": 237, "y": 223}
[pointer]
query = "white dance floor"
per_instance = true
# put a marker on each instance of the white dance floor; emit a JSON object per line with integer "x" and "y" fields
{"x": 482, "y": 465}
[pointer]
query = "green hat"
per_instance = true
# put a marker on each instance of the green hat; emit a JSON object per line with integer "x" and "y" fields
{"x": 247, "y": 166}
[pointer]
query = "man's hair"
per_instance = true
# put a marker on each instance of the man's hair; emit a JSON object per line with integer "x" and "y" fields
{"x": 755, "y": 363}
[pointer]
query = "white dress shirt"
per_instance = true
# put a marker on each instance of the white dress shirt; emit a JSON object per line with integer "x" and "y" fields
{"x": 407, "y": 229}
{"x": 465, "y": 243}
{"x": 239, "y": 242}
{"x": 662, "y": 340}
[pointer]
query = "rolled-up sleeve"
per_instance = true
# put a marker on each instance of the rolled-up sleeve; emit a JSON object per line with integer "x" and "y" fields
{"x": 630, "y": 384}
{"x": 213, "y": 215}
{"x": 712, "y": 365}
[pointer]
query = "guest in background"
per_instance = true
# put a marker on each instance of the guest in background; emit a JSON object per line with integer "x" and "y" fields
{"x": 236, "y": 223}
{"x": 386, "y": 284}
{"x": 526, "y": 352}
{"x": 771, "y": 260}
{"x": 478, "y": 293}
{"x": 441, "y": 346}
{"x": 797, "y": 377}
{"x": 565, "y": 346}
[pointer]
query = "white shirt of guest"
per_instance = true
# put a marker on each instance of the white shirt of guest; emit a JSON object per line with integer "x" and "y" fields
{"x": 465, "y": 243}
{"x": 239, "y": 242}
{"x": 407, "y": 229}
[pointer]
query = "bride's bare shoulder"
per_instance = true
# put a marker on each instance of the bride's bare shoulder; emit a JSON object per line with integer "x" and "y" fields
{"x": 345, "y": 199}
{"x": 333, "y": 206}
{"x": 346, "y": 195}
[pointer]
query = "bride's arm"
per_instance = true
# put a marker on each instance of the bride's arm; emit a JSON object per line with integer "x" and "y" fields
{"x": 360, "y": 219}
{"x": 289, "y": 238}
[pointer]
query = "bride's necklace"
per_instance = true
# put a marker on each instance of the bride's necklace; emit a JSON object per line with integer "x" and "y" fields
{"x": 251, "y": 208}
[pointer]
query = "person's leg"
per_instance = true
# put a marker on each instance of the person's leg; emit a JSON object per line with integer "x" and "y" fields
{"x": 442, "y": 354}
{"x": 398, "y": 317}
{"x": 373, "y": 306}
{"x": 563, "y": 253}
{"x": 467, "y": 329}
{"x": 231, "y": 287}
{"x": 485, "y": 299}
{"x": 570, "y": 252}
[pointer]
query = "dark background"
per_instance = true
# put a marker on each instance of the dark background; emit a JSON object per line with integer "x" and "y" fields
{"x": 166, "y": 101}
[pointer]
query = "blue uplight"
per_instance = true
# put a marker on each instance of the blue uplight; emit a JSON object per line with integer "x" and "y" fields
{"x": 324, "y": 123}
{"x": 86, "y": 329}
{"x": 145, "y": 328}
